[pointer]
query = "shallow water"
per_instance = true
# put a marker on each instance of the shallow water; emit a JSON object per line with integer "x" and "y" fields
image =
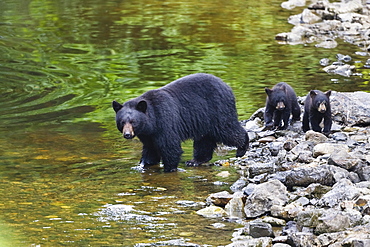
{"x": 65, "y": 171}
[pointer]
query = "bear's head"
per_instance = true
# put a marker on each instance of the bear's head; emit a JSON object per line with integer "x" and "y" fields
{"x": 131, "y": 117}
{"x": 320, "y": 100}
{"x": 277, "y": 97}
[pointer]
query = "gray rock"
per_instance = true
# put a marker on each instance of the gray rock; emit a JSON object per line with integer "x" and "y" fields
{"x": 343, "y": 159}
{"x": 260, "y": 229}
{"x": 333, "y": 220}
{"x": 315, "y": 137}
{"x": 303, "y": 239}
{"x": 212, "y": 212}
{"x": 309, "y": 217}
{"x": 304, "y": 176}
{"x": 351, "y": 108}
{"x": 340, "y": 136}
{"x": 328, "y": 148}
{"x": 264, "y": 196}
{"x": 344, "y": 190}
{"x": 239, "y": 184}
{"x": 258, "y": 168}
{"x": 260, "y": 242}
{"x": 235, "y": 207}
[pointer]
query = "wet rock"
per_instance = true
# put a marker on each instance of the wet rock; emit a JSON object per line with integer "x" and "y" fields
{"x": 261, "y": 242}
{"x": 235, "y": 207}
{"x": 264, "y": 196}
{"x": 340, "y": 69}
{"x": 291, "y": 4}
{"x": 239, "y": 184}
{"x": 219, "y": 198}
{"x": 212, "y": 212}
{"x": 307, "y": 17}
{"x": 174, "y": 242}
{"x": 260, "y": 229}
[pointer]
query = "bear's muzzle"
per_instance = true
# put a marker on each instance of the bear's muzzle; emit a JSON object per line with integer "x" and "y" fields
{"x": 280, "y": 106}
{"x": 128, "y": 131}
{"x": 322, "y": 107}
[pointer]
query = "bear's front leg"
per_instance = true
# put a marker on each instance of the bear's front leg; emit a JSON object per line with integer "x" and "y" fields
{"x": 277, "y": 119}
{"x": 171, "y": 155}
{"x": 315, "y": 122}
{"x": 150, "y": 154}
{"x": 269, "y": 111}
{"x": 327, "y": 124}
{"x": 285, "y": 116}
{"x": 306, "y": 122}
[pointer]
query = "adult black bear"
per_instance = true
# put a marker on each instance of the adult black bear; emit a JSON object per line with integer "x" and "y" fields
{"x": 281, "y": 101}
{"x": 198, "y": 106}
{"x": 317, "y": 108}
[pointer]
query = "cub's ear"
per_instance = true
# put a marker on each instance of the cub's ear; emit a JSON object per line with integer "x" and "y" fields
{"x": 328, "y": 93}
{"x": 313, "y": 93}
{"x": 268, "y": 91}
{"x": 142, "y": 106}
{"x": 116, "y": 106}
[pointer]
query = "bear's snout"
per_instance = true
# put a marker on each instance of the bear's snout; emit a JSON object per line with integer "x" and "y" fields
{"x": 128, "y": 131}
{"x": 280, "y": 106}
{"x": 322, "y": 108}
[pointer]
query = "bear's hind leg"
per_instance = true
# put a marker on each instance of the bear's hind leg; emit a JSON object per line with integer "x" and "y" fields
{"x": 203, "y": 151}
{"x": 170, "y": 151}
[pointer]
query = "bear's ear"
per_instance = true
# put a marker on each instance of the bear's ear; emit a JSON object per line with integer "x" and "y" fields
{"x": 328, "y": 93}
{"x": 141, "y": 106}
{"x": 313, "y": 93}
{"x": 268, "y": 91}
{"x": 116, "y": 106}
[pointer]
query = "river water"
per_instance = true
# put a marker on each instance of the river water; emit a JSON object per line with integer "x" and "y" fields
{"x": 65, "y": 171}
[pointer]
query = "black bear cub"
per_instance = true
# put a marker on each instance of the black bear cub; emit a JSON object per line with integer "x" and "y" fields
{"x": 198, "y": 106}
{"x": 317, "y": 108}
{"x": 281, "y": 101}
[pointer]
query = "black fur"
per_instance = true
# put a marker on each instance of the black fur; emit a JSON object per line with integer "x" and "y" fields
{"x": 281, "y": 94}
{"x": 198, "y": 106}
{"x": 313, "y": 116}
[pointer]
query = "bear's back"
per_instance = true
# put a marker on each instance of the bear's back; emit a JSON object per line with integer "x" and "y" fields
{"x": 201, "y": 84}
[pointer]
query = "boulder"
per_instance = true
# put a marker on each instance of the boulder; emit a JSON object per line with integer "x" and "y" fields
{"x": 264, "y": 196}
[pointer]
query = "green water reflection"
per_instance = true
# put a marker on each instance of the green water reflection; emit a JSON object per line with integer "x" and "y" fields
{"x": 63, "y": 163}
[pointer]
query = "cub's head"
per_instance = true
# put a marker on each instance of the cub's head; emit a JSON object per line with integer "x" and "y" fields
{"x": 320, "y": 100}
{"x": 131, "y": 117}
{"x": 277, "y": 98}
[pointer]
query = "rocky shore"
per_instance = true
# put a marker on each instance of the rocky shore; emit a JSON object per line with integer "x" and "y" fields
{"x": 302, "y": 189}
{"x": 322, "y": 22}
